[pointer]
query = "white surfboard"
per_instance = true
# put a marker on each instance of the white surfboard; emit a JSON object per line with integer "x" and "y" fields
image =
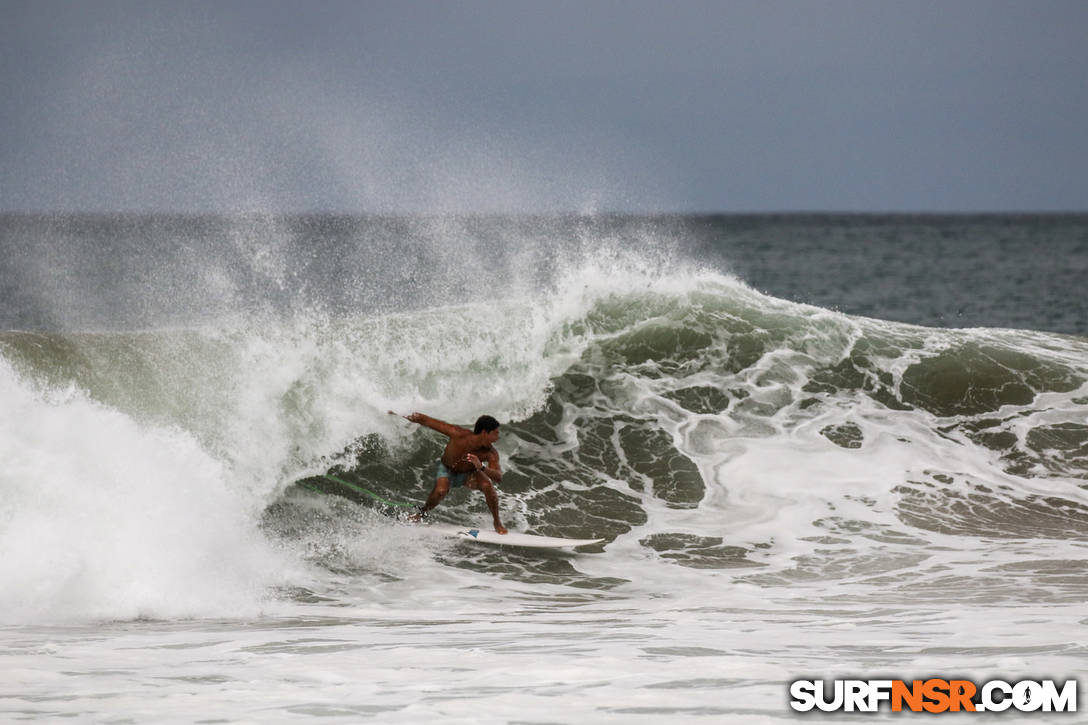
{"x": 513, "y": 538}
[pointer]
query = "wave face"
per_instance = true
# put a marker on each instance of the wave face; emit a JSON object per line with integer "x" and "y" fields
{"x": 699, "y": 425}
{"x": 712, "y": 427}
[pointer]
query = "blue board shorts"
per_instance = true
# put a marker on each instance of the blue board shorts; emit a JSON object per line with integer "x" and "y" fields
{"x": 456, "y": 479}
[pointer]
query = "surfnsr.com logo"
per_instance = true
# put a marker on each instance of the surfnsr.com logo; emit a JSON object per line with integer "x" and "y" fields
{"x": 933, "y": 695}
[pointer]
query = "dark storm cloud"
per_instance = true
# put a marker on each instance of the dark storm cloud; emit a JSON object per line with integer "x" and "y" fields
{"x": 411, "y": 106}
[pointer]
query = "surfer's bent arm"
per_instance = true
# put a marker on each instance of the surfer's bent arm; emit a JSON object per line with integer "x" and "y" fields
{"x": 446, "y": 429}
{"x": 490, "y": 467}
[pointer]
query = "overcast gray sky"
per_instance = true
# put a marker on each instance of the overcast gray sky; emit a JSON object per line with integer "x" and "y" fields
{"x": 544, "y": 106}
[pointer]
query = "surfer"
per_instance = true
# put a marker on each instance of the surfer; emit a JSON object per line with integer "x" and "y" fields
{"x": 470, "y": 460}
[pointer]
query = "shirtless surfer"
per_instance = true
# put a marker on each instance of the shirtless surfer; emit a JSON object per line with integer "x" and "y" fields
{"x": 469, "y": 460}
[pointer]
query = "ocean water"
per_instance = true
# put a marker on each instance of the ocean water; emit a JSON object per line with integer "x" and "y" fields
{"x": 815, "y": 446}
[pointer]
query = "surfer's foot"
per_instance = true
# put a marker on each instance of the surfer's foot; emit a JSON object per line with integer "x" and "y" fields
{"x": 419, "y": 515}
{"x": 500, "y": 528}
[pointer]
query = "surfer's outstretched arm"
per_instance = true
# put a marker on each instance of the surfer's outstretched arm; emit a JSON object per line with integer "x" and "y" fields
{"x": 446, "y": 429}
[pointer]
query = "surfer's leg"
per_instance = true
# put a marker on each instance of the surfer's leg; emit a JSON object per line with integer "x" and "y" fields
{"x": 441, "y": 488}
{"x": 482, "y": 483}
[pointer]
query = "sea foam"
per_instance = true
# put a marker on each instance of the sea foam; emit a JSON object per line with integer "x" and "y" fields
{"x": 102, "y": 517}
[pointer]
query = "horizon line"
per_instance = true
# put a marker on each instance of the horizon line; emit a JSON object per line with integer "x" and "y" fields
{"x": 541, "y": 213}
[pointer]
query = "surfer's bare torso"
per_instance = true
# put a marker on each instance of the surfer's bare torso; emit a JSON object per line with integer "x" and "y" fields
{"x": 459, "y": 448}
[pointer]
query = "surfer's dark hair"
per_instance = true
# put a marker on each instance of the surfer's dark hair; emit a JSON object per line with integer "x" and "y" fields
{"x": 485, "y": 423}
